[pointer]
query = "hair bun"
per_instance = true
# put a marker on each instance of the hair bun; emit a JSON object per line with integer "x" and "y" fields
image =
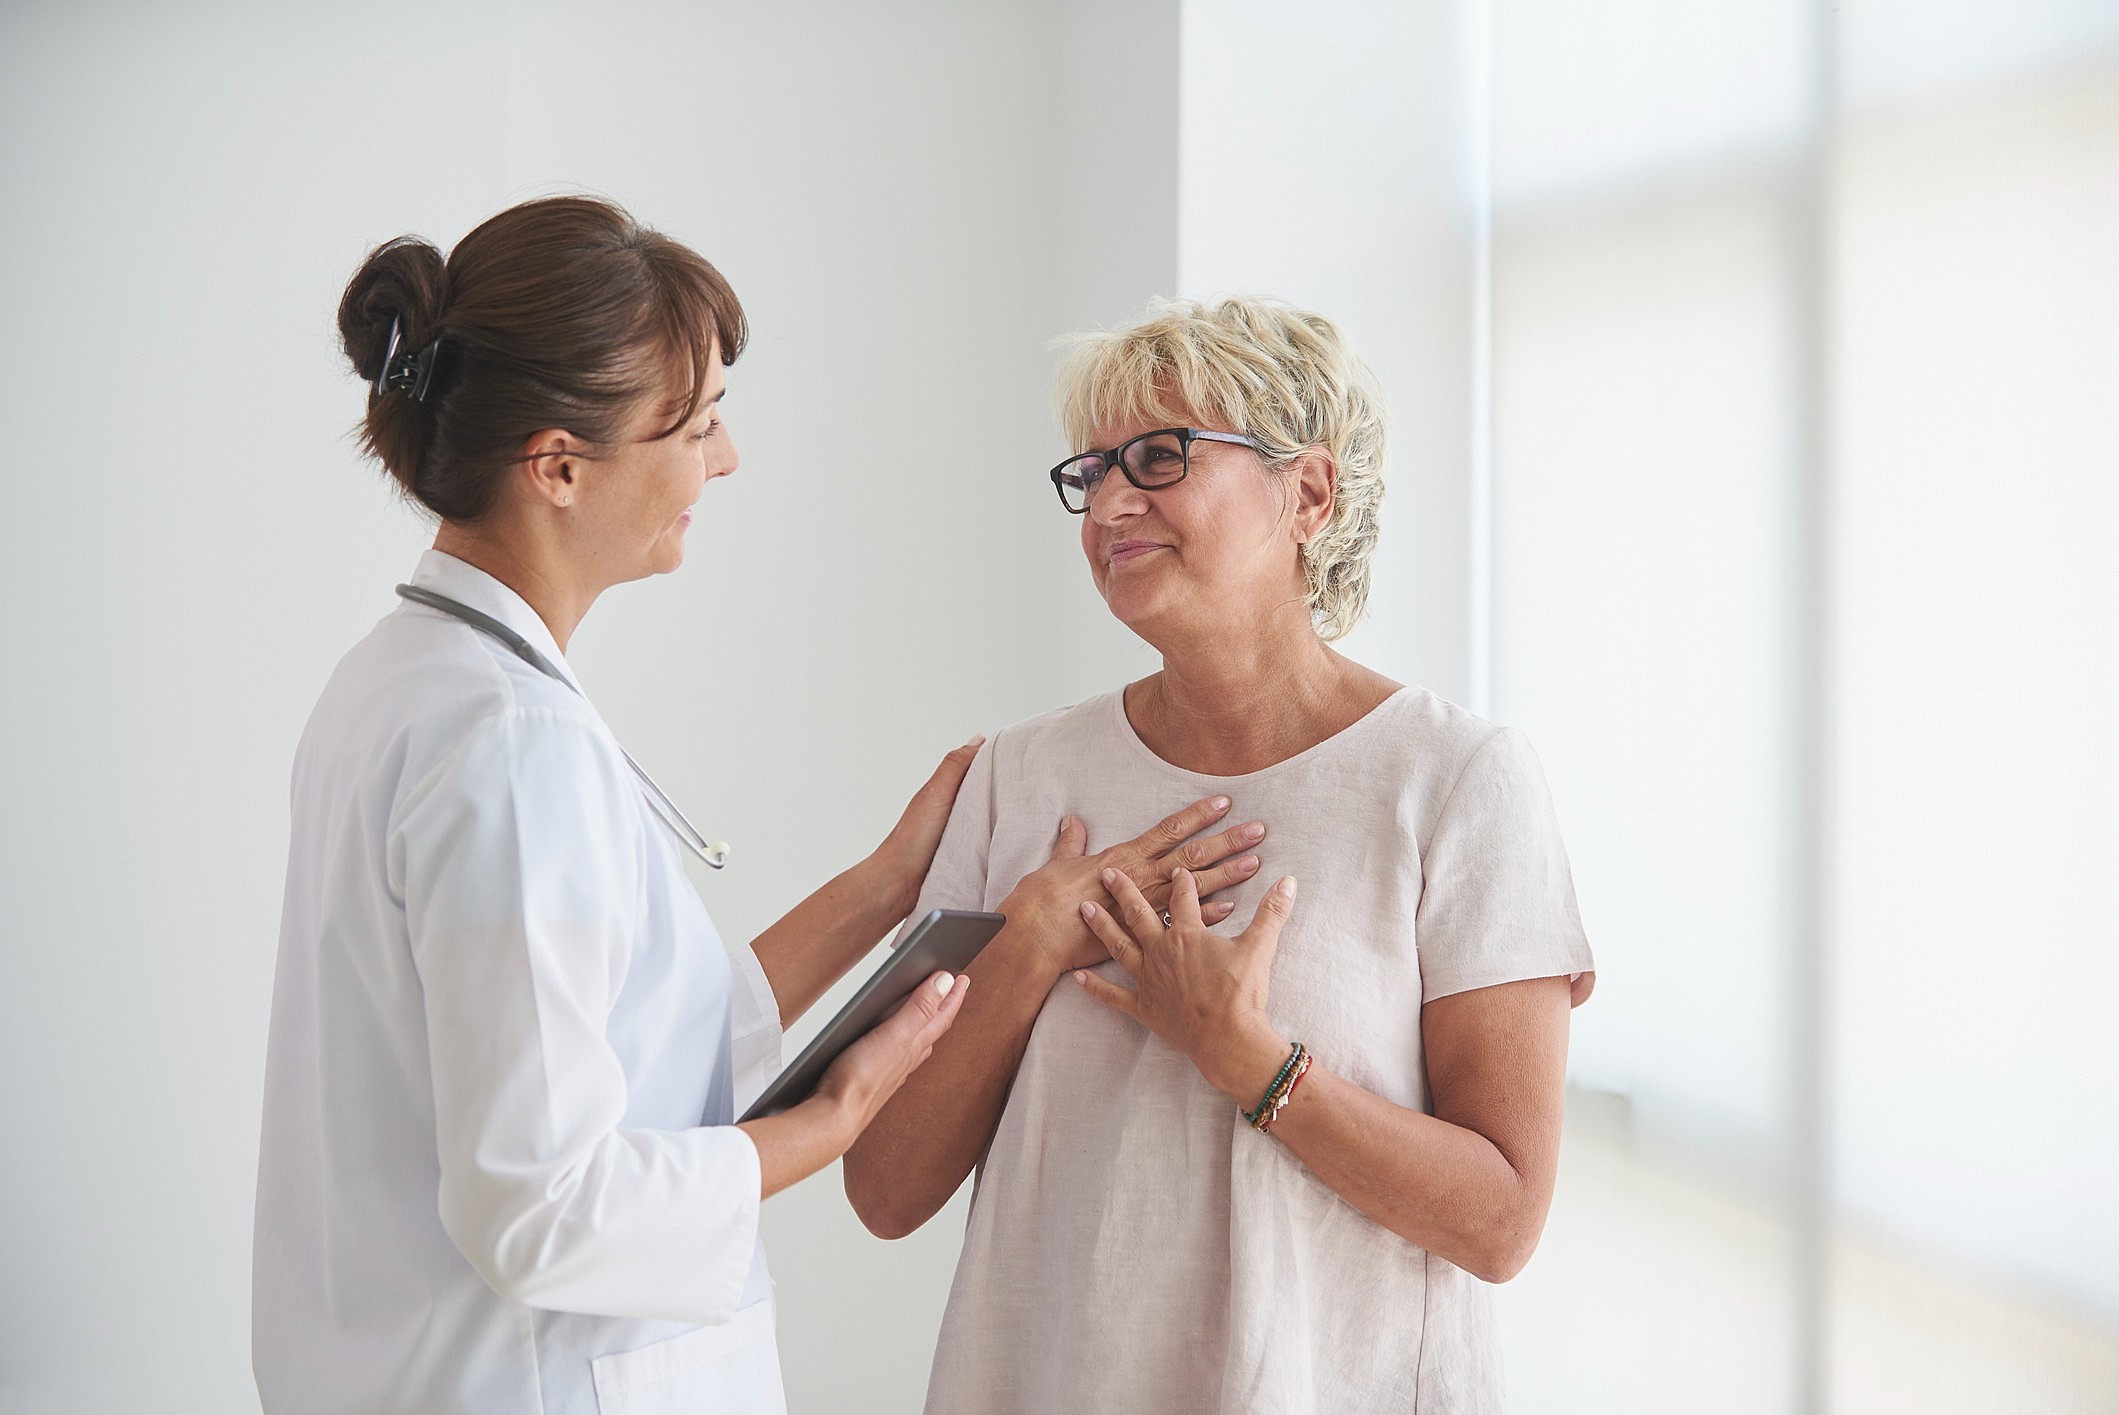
{"x": 405, "y": 279}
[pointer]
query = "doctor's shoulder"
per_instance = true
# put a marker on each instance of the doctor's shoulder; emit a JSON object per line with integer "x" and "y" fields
{"x": 431, "y": 695}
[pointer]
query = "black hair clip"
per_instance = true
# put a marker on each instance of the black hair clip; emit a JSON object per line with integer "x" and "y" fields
{"x": 412, "y": 371}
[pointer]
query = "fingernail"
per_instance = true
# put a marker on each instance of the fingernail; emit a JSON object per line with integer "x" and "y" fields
{"x": 1082, "y": 978}
{"x": 1063, "y": 825}
{"x": 1254, "y": 831}
{"x": 1109, "y": 876}
{"x": 1247, "y": 864}
{"x": 978, "y": 739}
{"x": 1286, "y": 886}
{"x": 943, "y": 982}
{"x": 1219, "y": 803}
{"x": 1088, "y": 911}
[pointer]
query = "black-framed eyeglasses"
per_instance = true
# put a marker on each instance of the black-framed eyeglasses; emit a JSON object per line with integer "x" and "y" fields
{"x": 1151, "y": 462}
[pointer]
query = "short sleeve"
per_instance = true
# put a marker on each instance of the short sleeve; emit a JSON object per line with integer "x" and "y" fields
{"x": 1497, "y": 899}
{"x": 957, "y": 878}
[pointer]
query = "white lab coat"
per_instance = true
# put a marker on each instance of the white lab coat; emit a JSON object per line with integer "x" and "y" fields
{"x": 498, "y": 1169}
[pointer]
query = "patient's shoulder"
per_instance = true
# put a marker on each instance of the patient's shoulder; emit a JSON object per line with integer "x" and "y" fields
{"x": 1059, "y": 740}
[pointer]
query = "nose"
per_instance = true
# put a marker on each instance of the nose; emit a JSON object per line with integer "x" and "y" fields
{"x": 1116, "y": 500}
{"x": 722, "y": 458}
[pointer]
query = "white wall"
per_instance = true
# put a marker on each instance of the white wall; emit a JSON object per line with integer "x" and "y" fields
{"x": 1325, "y": 161}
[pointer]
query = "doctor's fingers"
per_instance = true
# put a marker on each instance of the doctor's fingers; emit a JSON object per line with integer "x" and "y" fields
{"x": 929, "y": 1011}
{"x": 928, "y": 811}
{"x": 870, "y": 1071}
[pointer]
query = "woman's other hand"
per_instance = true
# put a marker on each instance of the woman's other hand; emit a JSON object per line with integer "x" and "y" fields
{"x": 1201, "y": 993}
{"x": 1043, "y": 909}
{"x": 899, "y": 865}
{"x": 798, "y": 1142}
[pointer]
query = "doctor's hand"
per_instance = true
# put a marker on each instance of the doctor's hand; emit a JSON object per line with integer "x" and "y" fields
{"x": 899, "y": 865}
{"x": 1200, "y": 992}
{"x": 798, "y": 1142}
{"x": 1044, "y": 907}
{"x": 870, "y": 1071}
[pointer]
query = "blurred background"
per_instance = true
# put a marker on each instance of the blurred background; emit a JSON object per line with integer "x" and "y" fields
{"x": 1754, "y": 367}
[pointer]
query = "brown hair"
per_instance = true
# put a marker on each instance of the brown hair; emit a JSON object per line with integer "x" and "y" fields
{"x": 558, "y": 313}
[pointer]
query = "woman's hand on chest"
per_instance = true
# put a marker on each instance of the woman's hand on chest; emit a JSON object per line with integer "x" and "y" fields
{"x": 1045, "y": 908}
{"x": 1202, "y": 993}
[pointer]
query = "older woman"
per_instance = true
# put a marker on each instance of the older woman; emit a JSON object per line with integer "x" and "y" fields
{"x": 1265, "y": 1168}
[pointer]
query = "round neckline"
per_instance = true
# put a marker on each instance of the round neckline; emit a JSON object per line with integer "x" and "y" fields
{"x": 1134, "y": 744}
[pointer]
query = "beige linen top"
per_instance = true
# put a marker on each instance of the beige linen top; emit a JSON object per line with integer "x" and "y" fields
{"x": 1133, "y": 1245}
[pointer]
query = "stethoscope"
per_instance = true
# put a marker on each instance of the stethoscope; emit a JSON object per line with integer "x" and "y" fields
{"x": 714, "y": 853}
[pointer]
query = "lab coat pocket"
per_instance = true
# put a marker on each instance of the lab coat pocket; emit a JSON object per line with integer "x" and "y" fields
{"x": 733, "y": 1367}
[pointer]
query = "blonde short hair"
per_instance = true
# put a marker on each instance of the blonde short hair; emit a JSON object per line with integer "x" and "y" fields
{"x": 1284, "y": 377}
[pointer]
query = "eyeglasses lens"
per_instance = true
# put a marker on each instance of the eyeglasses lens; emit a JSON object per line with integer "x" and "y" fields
{"x": 1155, "y": 461}
{"x": 1079, "y": 479}
{"x": 1151, "y": 462}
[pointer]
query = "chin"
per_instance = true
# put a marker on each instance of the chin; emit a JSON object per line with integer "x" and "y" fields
{"x": 1129, "y": 609}
{"x": 668, "y": 555}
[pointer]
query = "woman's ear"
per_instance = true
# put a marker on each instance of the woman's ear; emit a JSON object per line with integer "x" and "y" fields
{"x": 1316, "y": 490}
{"x": 551, "y": 460}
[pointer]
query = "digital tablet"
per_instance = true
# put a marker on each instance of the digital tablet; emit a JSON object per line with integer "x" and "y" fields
{"x": 945, "y": 941}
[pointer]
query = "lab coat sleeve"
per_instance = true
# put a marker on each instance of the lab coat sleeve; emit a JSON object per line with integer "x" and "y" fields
{"x": 754, "y": 1023}
{"x": 524, "y": 878}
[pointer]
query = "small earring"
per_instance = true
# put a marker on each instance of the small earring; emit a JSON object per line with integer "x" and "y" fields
{"x": 566, "y": 501}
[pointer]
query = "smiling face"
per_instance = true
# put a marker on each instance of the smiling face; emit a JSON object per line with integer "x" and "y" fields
{"x": 1188, "y": 562}
{"x": 635, "y": 500}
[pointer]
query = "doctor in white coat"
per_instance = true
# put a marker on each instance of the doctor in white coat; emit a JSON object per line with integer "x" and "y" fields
{"x": 499, "y": 1167}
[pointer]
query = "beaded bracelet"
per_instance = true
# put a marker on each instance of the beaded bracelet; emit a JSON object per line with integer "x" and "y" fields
{"x": 1276, "y": 1094}
{"x": 1279, "y": 1097}
{"x": 1302, "y": 1069}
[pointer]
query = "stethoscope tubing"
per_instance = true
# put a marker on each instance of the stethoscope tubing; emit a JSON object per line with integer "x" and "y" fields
{"x": 712, "y": 853}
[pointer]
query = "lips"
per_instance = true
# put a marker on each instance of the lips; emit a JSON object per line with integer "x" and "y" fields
{"x": 1125, "y": 550}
